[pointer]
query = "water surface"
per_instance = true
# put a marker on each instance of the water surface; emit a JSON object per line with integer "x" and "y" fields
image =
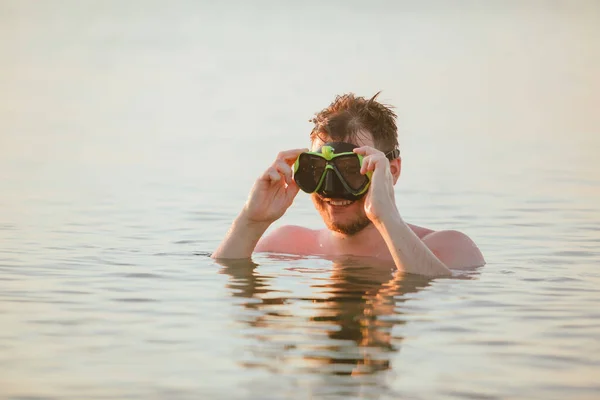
{"x": 130, "y": 134}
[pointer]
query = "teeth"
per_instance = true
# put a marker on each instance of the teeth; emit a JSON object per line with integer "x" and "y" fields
{"x": 339, "y": 202}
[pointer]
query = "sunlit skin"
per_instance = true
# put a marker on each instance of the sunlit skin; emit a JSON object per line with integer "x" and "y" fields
{"x": 370, "y": 227}
{"x": 347, "y": 225}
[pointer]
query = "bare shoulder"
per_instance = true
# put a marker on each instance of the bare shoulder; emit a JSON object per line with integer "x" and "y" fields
{"x": 420, "y": 231}
{"x": 455, "y": 249}
{"x": 290, "y": 239}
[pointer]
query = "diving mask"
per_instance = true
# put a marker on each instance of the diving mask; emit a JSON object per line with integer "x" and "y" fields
{"x": 333, "y": 171}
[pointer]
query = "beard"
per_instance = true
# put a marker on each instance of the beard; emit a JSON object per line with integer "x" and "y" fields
{"x": 351, "y": 227}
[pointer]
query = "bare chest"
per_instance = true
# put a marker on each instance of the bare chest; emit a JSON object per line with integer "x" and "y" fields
{"x": 322, "y": 243}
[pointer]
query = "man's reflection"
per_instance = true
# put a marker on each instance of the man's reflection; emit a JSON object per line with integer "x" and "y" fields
{"x": 348, "y": 330}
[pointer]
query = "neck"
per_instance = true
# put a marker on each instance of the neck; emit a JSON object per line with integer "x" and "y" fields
{"x": 367, "y": 242}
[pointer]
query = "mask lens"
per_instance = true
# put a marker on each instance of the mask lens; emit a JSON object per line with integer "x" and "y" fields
{"x": 349, "y": 168}
{"x": 309, "y": 172}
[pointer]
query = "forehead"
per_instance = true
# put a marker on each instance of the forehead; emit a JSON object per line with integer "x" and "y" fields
{"x": 362, "y": 138}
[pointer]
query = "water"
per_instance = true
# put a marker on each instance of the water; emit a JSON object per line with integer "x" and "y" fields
{"x": 131, "y": 132}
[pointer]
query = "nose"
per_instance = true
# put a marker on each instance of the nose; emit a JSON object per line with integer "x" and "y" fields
{"x": 329, "y": 186}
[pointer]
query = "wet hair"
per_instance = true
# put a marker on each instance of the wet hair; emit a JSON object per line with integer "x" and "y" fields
{"x": 350, "y": 117}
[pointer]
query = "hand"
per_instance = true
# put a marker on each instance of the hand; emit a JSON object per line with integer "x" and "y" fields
{"x": 380, "y": 200}
{"x": 274, "y": 191}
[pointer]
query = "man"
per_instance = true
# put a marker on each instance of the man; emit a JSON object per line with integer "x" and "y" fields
{"x": 368, "y": 224}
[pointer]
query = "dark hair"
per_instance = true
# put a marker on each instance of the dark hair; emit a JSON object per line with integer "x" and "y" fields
{"x": 348, "y": 117}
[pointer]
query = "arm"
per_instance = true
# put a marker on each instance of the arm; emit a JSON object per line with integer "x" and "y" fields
{"x": 270, "y": 197}
{"x": 410, "y": 253}
{"x": 432, "y": 256}
{"x": 246, "y": 237}
{"x": 241, "y": 239}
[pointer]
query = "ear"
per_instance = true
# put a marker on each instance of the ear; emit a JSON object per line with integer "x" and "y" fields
{"x": 396, "y": 168}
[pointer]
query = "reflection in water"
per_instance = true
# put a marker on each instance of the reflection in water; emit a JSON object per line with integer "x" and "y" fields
{"x": 343, "y": 327}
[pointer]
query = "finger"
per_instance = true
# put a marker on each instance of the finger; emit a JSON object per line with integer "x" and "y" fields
{"x": 371, "y": 162}
{"x": 365, "y": 165}
{"x": 366, "y": 150}
{"x": 283, "y": 169}
{"x": 292, "y": 190}
{"x": 290, "y": 156}
{"x": 271, "y": 175}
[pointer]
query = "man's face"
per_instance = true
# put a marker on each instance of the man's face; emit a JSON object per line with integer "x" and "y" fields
{"x": 348, "y": 219}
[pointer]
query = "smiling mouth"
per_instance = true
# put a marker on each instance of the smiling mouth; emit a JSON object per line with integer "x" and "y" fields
{"x": 338, "y": 202}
